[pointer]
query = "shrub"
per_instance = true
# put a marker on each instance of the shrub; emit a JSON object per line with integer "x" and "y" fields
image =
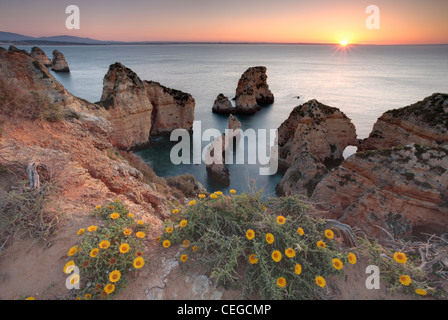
{"x": 234, "y": 235}
{"x": 106, "y": 253}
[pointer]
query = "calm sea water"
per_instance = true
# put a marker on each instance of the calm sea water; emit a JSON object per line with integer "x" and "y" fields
{"x": 362, "y": 81}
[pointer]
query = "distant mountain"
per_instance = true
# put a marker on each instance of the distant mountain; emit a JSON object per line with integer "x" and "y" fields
{"x": 15, "y": 37}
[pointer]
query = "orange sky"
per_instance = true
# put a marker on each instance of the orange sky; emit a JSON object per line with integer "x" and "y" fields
{"x": 402, "y": 21}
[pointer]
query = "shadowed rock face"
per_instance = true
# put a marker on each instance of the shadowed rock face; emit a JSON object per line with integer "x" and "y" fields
{"x": 38, "y": 54}
{"x": 253, "y": 91}
{"x": 311, "y": 141}
{"x": 401, "y": 190}
{"x": 59, "y": 63}
{"x": 424, "y": 122}
{"x": 223, "y": 105}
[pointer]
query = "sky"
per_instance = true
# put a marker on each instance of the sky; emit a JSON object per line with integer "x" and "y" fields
{"x": 290, "y": 21}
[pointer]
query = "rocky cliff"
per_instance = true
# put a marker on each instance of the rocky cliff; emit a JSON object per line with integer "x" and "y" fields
{"x": 311, "y": 141}
{"x": 172, "y": 109}
{"x": 403, "y": 190}
{"x": 38, "y": 54}
{"x": 253, "y": 91}
{"x": 59, "y": 63}
{"x": 424, "y": 122}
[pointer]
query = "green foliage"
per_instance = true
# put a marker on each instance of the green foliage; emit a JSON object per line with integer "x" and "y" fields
{"x": 95, "y": 270}
{"x": 217, "y": 227}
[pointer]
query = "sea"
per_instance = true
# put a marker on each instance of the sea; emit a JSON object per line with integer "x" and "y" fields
{"x": 363, "y": 81}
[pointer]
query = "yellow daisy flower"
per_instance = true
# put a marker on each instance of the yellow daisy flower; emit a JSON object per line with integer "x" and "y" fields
{"x": 281, "y": 282}
{"x": 186, "y": 243}
{"x": 130, "y": 215}
{"x": 250, "y": 234}
{"x": 276, "y": 256}
{"x": 169, "y": 229}
{"x": 192, "y": 203}
{"x": 109, "y": 288}
{"x": 232, "y": 191}
{"x": 337, "y": 264}
{"x": 352, "y": 258}
{"x": 68, "y": 268}
{"x": 98, "y": 207}
{"x": 140, "y": 235}
{"x": 321, "y": 244}
{"x": 405, "y": 280}
{"x": 253, "y": 259}
{"x": 87, "y": 296}
{"x": 104, "y": 244}
{"x": 270, "y": 238}
{"x": 281, "y": 220}
{"x": 329, "y": 234}
{"x": 175, "y": 211}
{"x": 92, "y": 228}
{"x": 290, "y": 253}
{"x": 94, "y": 252}
{"x": 81, "y": 231}
{"x": 72, "y": 251}
{"x": 183, "y": 257}
{"x": 115, "y": 215}
{"x": 166, "y": 243}
{"x": 219, "y": 193}
{"x": 139, "y": 262}
{"x": 114, "y": 276}
{"x": 195, "y": 248}
{"x": 183, "y": 223}
{"x": 201, "y": 195}
{"x": 400, "y": 257}
{"x": 300, "y": 231}
{"x": 421, "y": 292}
{"x": 140, "y": 222}
{"x": 298, "y": 269}
{"x": 127, "y": 231}
{"x": 124, "y": 248}
{"x": 213, "y": 196}
{"x": 320, "y": 281}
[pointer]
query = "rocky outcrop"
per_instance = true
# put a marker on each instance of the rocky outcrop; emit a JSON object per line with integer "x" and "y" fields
{"x": 424, "y": 122}
{"x": 253, "y": 91}
{"x": 172, "y": 109}
{"x": 59, "y": 63}
{"x": 38, "y": 54}
{"x": 215, "y": 164}
{"x": 403, "y": 190}
{"x": 312, "y": 141}
{"x": 223, "y": 105}
{"x": 129, "y": 108}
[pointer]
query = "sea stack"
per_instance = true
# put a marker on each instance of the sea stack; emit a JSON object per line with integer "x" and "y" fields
{"x": 253, "y": 90}
{"x": 223, "y": 105}
{"x": 38, "y": 54}
{"x": 59, "y": 63}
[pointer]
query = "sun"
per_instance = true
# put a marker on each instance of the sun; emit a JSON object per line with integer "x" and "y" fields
{"x": 344, "y": 43}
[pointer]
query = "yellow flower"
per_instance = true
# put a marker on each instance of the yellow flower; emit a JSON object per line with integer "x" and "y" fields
{"x": 183, "y": 223}
{"x": 253, "y": 259}
{"x": 195, "y": 248}
{"x": 104, "y": 244}
{"x": 98, "y": 207}
{"x": 421, "y": 292}
{"x": 81, "y": 231}
{"x": 405, "y": 280}
{"x": 130, "y": 215}
{"x": 232, "y": 191}
{"x": 281, "y": 220}
{"x": 183, "y": 257}
{"x": 270, "y": 238}
{"x": 140, "y": 235}
{"x": 115, "y": 215}
{"x": 329, "y": 234}
{"x": 186, "y": 243}
{"x": 281, "y": 282}
{"x": 140, "y": 222}
{"x": 166, "y": 243}
{"x": 158, "y": 239}
{"x": 94, "y": 252}
{"x": 400, "y": 257}
{"x": 111, "y": 207}
{"x": 351, "y": 258}
{"x": 109, "y": 288}
{"x": 124, "y": 248}
{"x": 139, "y": 262}
{"x": 68, "y": 268}
{"x": 337, "y": 264}
{"x": 192, "y": 203}
{"x": 250, "y": 234}
{"x": 72, "y": 251}
{"x": 276, "y": 256}
{"x": 114, "y": 276}
{"x": 169, "y": 229}
{"x": 290, "y": 253}
{"x": 127, "y": 232}
{"x": 87, "y": 296}
{"x": 201, "y": 195}
{"x": 298, "y": 269}
{"x": 213, "y": 196}
{"x": 92, "y": 228}
{"x": 320, "y": 281}
{"x": 219, "y": 193}
{"x": 176, "y": 211}
{"x": 300, "y": 231}
{"x": 321, "y": 244}
{"x": 30, "y": 298}
{"x": 74, "y": 279}
{"x": 117, "y": 200}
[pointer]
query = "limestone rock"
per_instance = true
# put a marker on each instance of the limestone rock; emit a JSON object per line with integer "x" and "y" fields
{"x": 403, "y": 190}
{"x": 253, "y": 90}
{"x": 223, "y": 105}
{"x": 173, "y": 109}
{"x": 130, "y": 110}
{"x": 311, "y": 141}
{"x": 424, "y": 122}
{"x": 59, "y": 63}
{"x": 38, "y": 54}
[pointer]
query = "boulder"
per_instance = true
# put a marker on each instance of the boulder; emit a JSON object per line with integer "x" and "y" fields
{"x": 59, "y": 63}
{"x": 38, "y": 54}
{"x": 223, "y": 105}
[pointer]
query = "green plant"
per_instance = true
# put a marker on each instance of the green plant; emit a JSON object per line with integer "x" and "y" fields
{"x": 217, "y": 231}
{"x": 105, "y": 254}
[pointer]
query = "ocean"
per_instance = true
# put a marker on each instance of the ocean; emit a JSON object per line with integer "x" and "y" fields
{"x": 362, "y": 81}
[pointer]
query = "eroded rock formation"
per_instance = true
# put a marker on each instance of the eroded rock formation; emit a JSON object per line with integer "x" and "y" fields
{"x": 38, "y": 54}
{"x": 311, "y": 141}
{"x": 59, "y": 63}
{"x": 223, "y": 105}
